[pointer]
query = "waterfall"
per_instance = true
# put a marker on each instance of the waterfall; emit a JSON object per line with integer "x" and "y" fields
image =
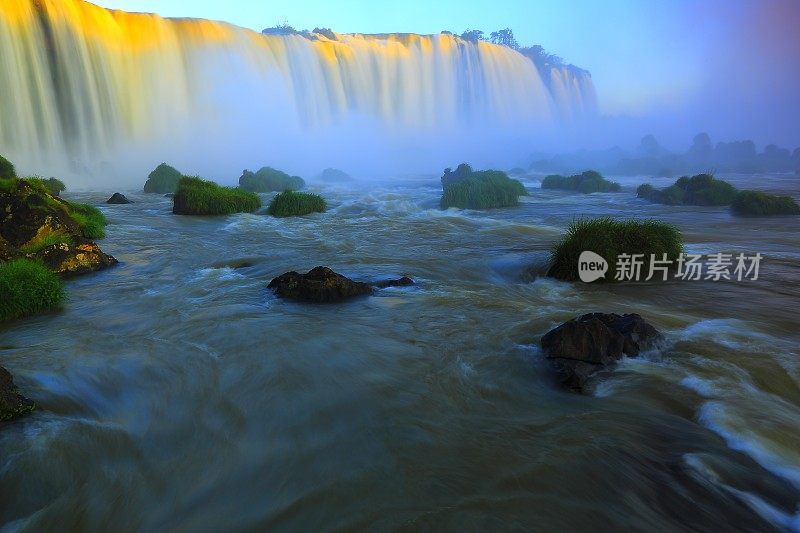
{"x": 86, "y": 85}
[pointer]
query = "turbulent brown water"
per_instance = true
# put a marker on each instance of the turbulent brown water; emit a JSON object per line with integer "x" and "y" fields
{"x": 179, "y": 394}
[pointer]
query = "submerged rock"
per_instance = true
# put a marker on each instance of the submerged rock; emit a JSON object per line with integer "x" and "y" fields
{"x": 584, "y": 345}
{"x": 319, "y": 285}
{"x": 402, "y": 282}
{"x": 118, "y": 198}
{"x": 12, "y": 404}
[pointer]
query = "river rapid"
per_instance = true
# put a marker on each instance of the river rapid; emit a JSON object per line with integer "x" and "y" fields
{"x": 177, "y": 393}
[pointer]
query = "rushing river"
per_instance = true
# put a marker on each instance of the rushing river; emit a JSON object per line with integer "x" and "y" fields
{"x": 178, "y": 393}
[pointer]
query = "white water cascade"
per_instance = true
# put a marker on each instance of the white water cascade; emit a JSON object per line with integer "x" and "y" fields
{"x": 95, "y": 91}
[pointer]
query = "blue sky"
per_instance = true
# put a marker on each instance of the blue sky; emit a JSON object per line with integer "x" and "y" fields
{"x": 647, "y": 57}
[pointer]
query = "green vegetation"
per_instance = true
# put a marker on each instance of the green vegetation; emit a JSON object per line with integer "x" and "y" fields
{"x": 164, "y": 179}
{"x": 46, "y": 242}
{"x": 52, "y": 185}
{"x": 269, "y": 179}
{"x": 198, "y": 197}
{"x": 90, "y": 219}
{"x": 485, "y": 189}
{"x": 585, "y": 182}
{"x": 27, "y": 287}
{"x": 761, "y": 204}
{"x": 7, "y": 169}
{"x": 291, "y": 203}
{"x": 610, "y": 238}
{"x": 702, "y": 189}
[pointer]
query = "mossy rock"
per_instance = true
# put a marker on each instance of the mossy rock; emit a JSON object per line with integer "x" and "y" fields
{"x": 268, "y": 179}
{"x": 164, "y": 179}
{"x": 609, "y": 238}
{"x": 761, "y": 204}
{"x": 586, "y": 182}
{"x": 13, "y": 405}
{"x": 293, "y": 203}
{"x": 486, "y": 189}
{"x": 38, "y": 225}
{"x": 334, "y": 175}
{"x": 199, "y": 197}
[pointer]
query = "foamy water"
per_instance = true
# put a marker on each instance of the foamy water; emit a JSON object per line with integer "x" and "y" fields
{"x": 178, "y": 393}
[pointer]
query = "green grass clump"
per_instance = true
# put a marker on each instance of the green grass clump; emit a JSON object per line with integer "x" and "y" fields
{"x": 292, "y": 203}
{"x": 485, "y": 189}
{"x": 585, "y": 182}
{"x": 269, "y": 179}
{"x": 52, "y": 185}
{"x": 610, "y": 238}
{"x": 7, "y": 169}
{"x": 90, "y": 219}
{"x": 164, "y": 179}
{"x": 199, "y": 197}
{"x": 761, "y": 204}
{"x": 26, "y": 288}
{"x": 46, "y": 242}
{"x": 702, "y": 189}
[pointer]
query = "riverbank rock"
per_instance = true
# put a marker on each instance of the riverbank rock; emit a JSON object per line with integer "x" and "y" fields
{"x": 118, "y": 198}
{"x": 319, "y": 285}
{"x": 37, "y": 225}
{"x": 589, "y": 343}
{"x": 401, "y": 282}
{"x": 12, "y": 404}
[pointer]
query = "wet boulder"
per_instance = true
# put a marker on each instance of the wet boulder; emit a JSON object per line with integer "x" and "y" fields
{"x": 595, "y": 341}
{"x": 319, "y": 285}
{"x": 69, "y": 259}
{"x": 12, "y": 404}
{"x": 405, "y": 281}
{"x": 118, "y": 198}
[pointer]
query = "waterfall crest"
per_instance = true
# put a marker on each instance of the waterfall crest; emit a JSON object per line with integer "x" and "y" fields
{"x": 87, "y": 84}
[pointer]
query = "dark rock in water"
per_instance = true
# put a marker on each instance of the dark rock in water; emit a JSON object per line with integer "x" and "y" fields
{"x": 592, "y": 342}
{"x": 39, "y": 225}
{"x": 118, "y": 198}
{"x": 402, "y": 282}
{"x": 169, "y": 195}
{"x": 12, "y": 403}
{"x": 320, "y": 285}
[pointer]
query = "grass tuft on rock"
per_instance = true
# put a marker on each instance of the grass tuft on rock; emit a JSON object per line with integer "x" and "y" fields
{"x": 26, "y": 288}
{"x": 164, "y": 179}
{"x": 585, "y": 182}
{"x": 761, "y": 204}
{"x": 269, "y": 179}
{"x": 196, "y": 196}
{"x": 702, "y": 189}
{"x": 45, "y": 242}
{"x": 52, "y": 185}
{"x": 609, "y": 238}
{"x": 90, "y": 219}
{"x": 292, "y": 204}
{"x": 484, "y": 189}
